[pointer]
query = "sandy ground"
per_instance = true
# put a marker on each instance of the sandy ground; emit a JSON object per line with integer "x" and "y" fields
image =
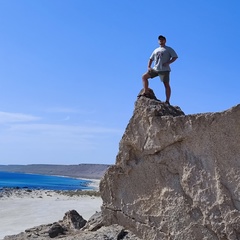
{"x": 22, "y": 209}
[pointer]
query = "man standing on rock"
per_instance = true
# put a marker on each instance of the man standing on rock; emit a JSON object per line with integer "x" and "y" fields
{"x": 162, "y": 57}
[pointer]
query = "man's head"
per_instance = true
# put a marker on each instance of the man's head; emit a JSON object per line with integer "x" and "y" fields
{"x": 161, "y": 37}
{"x": 161, "y": 40}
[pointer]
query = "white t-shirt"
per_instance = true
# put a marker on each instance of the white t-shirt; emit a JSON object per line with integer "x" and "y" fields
{"x": 162, "y": 55}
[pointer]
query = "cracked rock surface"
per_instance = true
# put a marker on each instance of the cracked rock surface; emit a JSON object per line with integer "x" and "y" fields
{"x": 176, "y": 176}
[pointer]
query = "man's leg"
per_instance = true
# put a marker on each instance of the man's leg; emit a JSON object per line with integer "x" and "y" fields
{"x": 165, "y": 77}
{"x": 145, "y": 78}
{"x": 167, "y": 91}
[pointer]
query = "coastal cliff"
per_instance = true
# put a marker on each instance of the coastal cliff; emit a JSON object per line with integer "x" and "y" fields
{"x": 176, "y": 177}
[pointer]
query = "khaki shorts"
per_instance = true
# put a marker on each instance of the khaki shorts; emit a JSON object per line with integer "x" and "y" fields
{"x": 164, "y": 75}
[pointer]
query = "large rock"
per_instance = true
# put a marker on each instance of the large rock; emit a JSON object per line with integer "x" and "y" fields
{"x": 176, "y": 176}
{"x": 72, "y": 220}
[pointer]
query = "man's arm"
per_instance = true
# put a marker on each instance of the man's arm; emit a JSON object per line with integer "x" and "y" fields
{"x": 173, "y": 59}
{"x": 150, "y": 63}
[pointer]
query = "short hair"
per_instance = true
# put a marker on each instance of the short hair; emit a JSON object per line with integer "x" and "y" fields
{"x": 161, "y": 36}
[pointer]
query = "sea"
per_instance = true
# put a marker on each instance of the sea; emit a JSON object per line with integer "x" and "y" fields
{"x": 44, "y": 182}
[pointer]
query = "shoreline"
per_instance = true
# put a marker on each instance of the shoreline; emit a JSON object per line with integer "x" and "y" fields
{"x": 94, "y": 184}
{"x": 25, "y": 208}
{"x": 91, "y": 183}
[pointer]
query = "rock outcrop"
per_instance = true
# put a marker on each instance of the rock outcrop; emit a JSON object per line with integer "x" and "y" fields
{"x": 71, "y": 228}
{"x": 176, "y": 176}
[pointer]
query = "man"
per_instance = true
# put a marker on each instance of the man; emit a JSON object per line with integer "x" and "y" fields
{"x": 162, "y": 57}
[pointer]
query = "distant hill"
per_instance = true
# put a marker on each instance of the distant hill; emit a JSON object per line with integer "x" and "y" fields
{"x": 89, "y": 171}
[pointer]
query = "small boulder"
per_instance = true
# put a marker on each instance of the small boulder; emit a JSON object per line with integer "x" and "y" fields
{"x": 55, "y": 230}
{"x": 94, "y": 223}
{"x": 72, "y": 220}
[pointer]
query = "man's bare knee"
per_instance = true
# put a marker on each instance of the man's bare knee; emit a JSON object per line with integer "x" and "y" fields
{"x": 145, "y": 76}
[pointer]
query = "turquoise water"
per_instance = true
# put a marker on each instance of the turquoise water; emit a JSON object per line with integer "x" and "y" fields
{"x": 35, "y": 181}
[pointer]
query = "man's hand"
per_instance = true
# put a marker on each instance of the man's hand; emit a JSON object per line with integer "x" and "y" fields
{"x": 171, "y": 61}
{"x": 150, "y": 64}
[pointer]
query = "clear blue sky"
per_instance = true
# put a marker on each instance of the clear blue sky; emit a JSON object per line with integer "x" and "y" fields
{"x": 70, "y": 70}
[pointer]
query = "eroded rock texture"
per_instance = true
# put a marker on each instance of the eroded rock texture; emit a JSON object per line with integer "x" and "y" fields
{"x": 70, "y": 228}
{"x": 176, "y": 176}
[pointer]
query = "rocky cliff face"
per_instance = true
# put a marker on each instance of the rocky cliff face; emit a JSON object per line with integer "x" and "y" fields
{"x": 176, "y": 176}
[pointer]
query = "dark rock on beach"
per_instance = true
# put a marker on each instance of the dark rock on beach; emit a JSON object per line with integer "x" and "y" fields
{"x": 72, "y": 228}
{"x": 55, "y": 230}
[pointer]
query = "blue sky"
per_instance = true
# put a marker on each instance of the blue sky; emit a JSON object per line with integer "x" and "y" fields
{"x": 70, "y": 70}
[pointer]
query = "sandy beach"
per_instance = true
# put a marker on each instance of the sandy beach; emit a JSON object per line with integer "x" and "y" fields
{"x": 22, "y": 209}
